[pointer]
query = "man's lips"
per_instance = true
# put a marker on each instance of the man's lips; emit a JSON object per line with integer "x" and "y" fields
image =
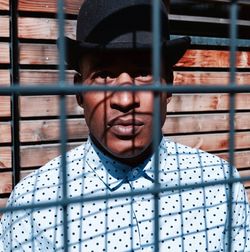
{"x": 125, "y": 127}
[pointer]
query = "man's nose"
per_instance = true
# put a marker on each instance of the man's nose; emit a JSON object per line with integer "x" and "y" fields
{"x": 124, "y": 100}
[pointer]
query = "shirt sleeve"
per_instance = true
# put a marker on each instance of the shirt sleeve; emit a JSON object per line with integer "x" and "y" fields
{"x": 1, "y": 241}
{"x": 16, "y": 228}
{"x": 240, "y": 231}
{"x": 14, "y": 231}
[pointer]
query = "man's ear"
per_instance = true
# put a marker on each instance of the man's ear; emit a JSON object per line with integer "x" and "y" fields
{"x": 77, "y": 81}
{"x": 169, "y": 97}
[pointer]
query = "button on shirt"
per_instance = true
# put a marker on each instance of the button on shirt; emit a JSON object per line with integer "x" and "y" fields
{"x": 190, "y": 217}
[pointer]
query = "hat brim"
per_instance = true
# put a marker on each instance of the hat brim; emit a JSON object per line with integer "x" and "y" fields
{"x": 173, "y": 50}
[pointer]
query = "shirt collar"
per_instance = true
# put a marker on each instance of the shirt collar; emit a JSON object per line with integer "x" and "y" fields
{"x": 114, "y": 173}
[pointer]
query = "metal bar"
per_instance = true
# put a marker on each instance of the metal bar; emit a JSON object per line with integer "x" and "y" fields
{"x": 233, "y": 47}
{"x": 156, "y": 22}
{"x": 14, "y": 79}
{"x": 210, "y": 20}
{"x": 63, "y": 129}
{"x": 124, "y": 195}
{"x": 14, "y": 62}
{"x": 69, "y": 90}
{"x": 63, "y": 89}
{"x": 180, "y": 2}
{"x": 214, "y": 41}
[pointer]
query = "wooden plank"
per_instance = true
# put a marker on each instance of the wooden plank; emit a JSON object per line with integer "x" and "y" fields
{"x": 37, "y": 28}
{"x": 5, "y": 52}
{"x": 3, "y": 202}
{"x": 48, "y": 105}
{"x": 37, "y": 155}
{"x": 48, "y": 130}
{"x": 47, "y": 53}
{"x": 71, "y": 6}
{"x": 34, "y": 53}
{"x": 5, "y": 132}
{"x": 45, "y": 77}
{"x": 4, "y": 77}
{"x": 44, "y": 28}
{"x": 209, "y": 78}
{"x": 4, "y": 106}
{"x": 47, "y": 6}
{"x": 4, "y": 4}
{"x": 5, "y": 157}
{"x": 35, "y": 77}
{"x": 245, "y": 173}
{"x": 206, "y": 102}
{"x": 196, "y": 123}
{"x": 212, "y": 58}
{"x": 6, "y": 181}
{"x": 38, "y": 54}
{"x": 214, "y": 142}
{"x": 242, "y": 158}
{"x": 4, "y": 26}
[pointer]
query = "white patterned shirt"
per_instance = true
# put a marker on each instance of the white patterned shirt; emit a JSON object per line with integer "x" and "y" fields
{"x": 189, "y": 218}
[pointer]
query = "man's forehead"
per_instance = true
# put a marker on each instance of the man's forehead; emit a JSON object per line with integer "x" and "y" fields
{"x": 120, "y": 57}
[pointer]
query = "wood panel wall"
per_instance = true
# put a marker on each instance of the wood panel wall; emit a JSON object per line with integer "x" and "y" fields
{"x": 197, "y": 120}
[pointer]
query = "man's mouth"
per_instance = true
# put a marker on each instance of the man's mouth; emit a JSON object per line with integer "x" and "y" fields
{"x": 125, "y": 127}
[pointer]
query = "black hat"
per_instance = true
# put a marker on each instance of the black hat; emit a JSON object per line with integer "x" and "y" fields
{"x": 121, "y": 24}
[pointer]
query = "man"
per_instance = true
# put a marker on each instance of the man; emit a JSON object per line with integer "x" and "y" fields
{"x": 113, "y": 48}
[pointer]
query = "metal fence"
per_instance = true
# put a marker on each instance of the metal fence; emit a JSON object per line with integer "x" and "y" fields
{"x": 63, "y": 89}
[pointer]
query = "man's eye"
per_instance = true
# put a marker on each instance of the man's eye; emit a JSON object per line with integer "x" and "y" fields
{"x": 144, "y": 76}
{"x": 100, "y": 74}
{"x": 102, "y": 77}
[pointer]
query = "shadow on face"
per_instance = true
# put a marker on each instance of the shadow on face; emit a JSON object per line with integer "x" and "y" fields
{"x": 121, "y": 122}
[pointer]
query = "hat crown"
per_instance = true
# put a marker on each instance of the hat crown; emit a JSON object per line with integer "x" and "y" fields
{"x": 108, "y": 25}
{"x": 103, "y": 21}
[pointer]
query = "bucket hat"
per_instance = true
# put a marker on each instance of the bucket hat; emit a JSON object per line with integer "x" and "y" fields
{"x": 121, "y": 24}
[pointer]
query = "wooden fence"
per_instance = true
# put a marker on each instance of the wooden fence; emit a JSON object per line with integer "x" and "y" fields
{"x": 197, "y": 120}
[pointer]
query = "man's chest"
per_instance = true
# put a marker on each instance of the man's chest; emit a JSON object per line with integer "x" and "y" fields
{"x": 104, "y": 222}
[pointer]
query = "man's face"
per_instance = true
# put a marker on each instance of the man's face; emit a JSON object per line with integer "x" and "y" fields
{"x": 121, "y": 121}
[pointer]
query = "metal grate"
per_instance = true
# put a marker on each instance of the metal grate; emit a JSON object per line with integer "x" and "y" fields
{"x": 63, "y": 89}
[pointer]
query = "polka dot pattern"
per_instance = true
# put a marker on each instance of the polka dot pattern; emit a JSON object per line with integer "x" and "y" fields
{"x": 191, "y": 217}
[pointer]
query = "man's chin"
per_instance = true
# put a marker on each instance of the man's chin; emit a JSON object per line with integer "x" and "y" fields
{"x": 130, "y": 154}
{"x": 126, "y": 152}
{"x": 131, "y": 151}
{"x": 127, "y": 155}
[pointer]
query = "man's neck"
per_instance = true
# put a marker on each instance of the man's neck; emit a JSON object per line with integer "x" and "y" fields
{"x": 133, "y": 162}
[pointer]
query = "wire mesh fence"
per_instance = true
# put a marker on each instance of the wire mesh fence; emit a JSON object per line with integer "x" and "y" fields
{"x": 158, "y": 189}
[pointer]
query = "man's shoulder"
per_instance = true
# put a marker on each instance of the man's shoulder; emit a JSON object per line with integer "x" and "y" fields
{"x": 54, "y": 166}
{"x": 193, "y": 160}
{"x": 48, "y": 178}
